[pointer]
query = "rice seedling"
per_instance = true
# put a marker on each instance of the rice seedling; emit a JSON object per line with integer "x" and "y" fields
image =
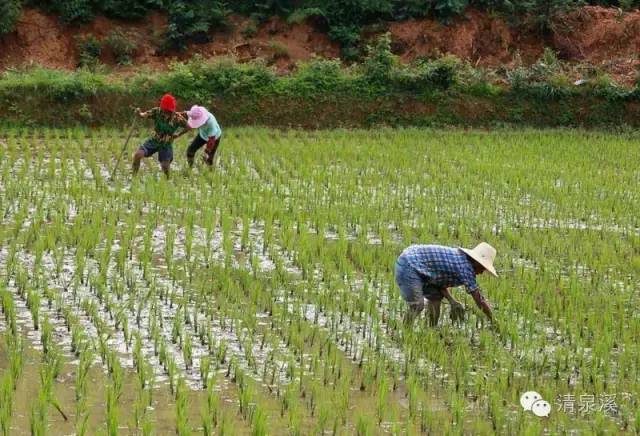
{"x": 205, "y": 369}
{"x": 259, "y": 425}
{"x": 182, "y": 425}
{"x": 277, "y": 270}
{"x": 112, "y": 411}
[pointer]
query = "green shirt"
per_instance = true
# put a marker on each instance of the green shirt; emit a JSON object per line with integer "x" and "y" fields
{"x": 165, "y": 125}
{"x": 210, "y": 128}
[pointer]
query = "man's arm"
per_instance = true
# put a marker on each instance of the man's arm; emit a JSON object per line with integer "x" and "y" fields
{"x": 457, "y": 310}
{"x": 183, "y": 124}
{"x": 211, "y": 143}
{"x": 452, "y": 301}
{"x": 145, "y": 114}
{"x": 184, "y": 131}
{"x": 482, "y": 304}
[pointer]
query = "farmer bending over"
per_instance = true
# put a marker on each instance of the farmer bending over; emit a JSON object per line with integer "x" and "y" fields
{"x": 427, "y": 271}
{"x": 209, "y": 133}
{"x": 166, "y": 122}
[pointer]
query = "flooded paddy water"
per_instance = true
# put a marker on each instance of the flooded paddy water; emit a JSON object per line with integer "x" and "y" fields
{"x": 259, "y": 297}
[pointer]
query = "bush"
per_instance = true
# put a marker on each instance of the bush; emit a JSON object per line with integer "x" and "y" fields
{"x": 518, "y": 78}
{"x": 78, "y": 11}
{"x": 603, "y": 86}
{"x": 449, "y": 8}
{"x": 251, "y": 87}
{"x": 250, "y": 30}
{"x": 303, "y": 14}
{"x": 9, "y": 14}
{"x": 263, "y": 9}
{"x": 439, "y": 73}
{"x": 428, "y": 75}
{"x": 346, "y": 35}
{"x": 379, "y": 62}
{"x": 477, "y": 81}
{"x": 81, "y": 11}
{"x": 199, "y": 79}
{"x": 127, "y": 9}
{"x": 279, "y": 50}
{"x": 60, "y": 86}
{"x": 411, "y": 9}
{"x": 317, "y": 77}
{"x": 190, "y": 21}
{"x": 121, "y": 47}
{"x": 89, "y": 50}
{"x": 546, "y": 67}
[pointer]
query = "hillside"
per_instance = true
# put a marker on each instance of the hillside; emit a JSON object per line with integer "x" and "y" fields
{"x": 590, "y": 37}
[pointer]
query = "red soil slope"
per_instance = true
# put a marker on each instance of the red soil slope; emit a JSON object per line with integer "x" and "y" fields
{"x": 476, "y": 37}
{"x": 603, "y": 37}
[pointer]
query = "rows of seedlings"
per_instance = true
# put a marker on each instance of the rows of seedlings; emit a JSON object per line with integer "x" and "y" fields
{"x": 262, "y": 291}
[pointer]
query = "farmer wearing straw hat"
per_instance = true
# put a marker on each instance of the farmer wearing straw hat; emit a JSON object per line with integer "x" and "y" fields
{"x": 427, "y": 271}
{"x": 209, "y": 133}
{"x": 166, "y": 123}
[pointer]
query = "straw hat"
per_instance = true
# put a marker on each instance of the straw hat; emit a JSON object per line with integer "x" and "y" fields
{"x": 484, "y": 254}
{"x": 197, "y": 117}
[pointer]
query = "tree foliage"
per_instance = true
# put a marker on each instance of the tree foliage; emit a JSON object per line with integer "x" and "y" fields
{"x": 9, "y": 13}
{"x": 190, "y": 21}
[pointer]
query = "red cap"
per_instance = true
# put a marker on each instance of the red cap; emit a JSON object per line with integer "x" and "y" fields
{"x": 168, "y": 103}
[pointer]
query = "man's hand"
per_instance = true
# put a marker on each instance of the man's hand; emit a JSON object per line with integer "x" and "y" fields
{"x": 497, "y": 327}
{"x": 210, "y": 144}
{"x": 482, "y": 304}
{"x": 177, "y": 135}
{"x": 457, "y": 311}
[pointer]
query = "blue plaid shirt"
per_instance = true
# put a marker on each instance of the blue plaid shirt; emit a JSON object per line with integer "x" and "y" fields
{"x": 443, "y": 267}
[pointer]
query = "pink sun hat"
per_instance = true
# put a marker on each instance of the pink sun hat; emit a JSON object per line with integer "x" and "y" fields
{"x": 197, "y": 116}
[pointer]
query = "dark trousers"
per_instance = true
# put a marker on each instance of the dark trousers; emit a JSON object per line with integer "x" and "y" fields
{"x": 196, "y": 144}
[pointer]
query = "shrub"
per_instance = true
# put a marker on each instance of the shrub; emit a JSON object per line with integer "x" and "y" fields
{"x": 121, "y": 47}
{"x": 603, "y": 86}
{"x": 319, "y": 76}
{"x": 199, "y": 79}
{"x": 440, "y": 73}
{"x": 477, "y": 81}
{"x": 127, "y": 9}
{"x": 428, "y": 75}
{"x": 250, "y": 30}
{"x": 448, "y": 8}
{"x": 346, "y": 35}
{"x": 518, "y": 78}
{"x": 78, "y": 11}
{"x": 280, "y": 51}
{"x": 302, "y": 14}
{"x": 89, "y": 50}
{"x": 379, "y": 62}
{"x": 85, "y": 114}
{"x": 411, "y": 8}
{"x": 190, "y": 21}
{"x": 58, "y": 85}
{"x": 9, "y": 13}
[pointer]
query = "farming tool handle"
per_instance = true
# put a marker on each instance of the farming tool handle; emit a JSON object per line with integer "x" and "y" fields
{"x": 124, "y": 148}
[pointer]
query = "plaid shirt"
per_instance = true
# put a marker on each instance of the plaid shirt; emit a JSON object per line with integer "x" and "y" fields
{"x": 166, "y": 125}
{"x": 443, "y": 267}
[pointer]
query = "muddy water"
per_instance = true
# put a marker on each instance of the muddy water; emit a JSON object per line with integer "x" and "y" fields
{"x": 161, "y": 414}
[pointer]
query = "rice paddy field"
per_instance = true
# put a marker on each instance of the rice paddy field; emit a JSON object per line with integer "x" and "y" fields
{"x": 259, "y": 297}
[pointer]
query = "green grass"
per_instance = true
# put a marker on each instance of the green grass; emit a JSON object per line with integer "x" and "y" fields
{"x": 261, "y": 294}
